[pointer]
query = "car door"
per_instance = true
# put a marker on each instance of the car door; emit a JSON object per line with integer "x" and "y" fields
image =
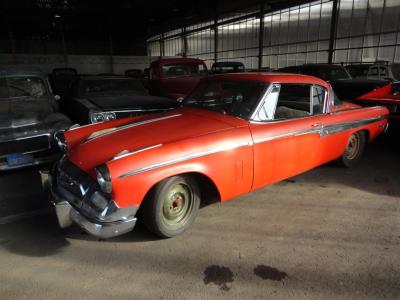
{"x": 286, "y": 133}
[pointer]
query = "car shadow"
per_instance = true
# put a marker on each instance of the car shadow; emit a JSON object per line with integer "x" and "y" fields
{"x": 377, "y": 172}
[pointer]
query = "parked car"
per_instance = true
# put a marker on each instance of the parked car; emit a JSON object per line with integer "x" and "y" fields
{"x": 388, "y": 96}
{"x": 227, "y": 67}
{"x": 346, "y": 88}
{"x": 61, "y": 79}
{"x": 234, "y": 133}
{"x": 29, "y": 119}
{"x": 378, "y": 70}
{"x": 175, "y": 77}
{"x": 96, "y": 99}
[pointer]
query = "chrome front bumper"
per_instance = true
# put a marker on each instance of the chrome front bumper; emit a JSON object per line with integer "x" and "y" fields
{"x": 67, "y": 215}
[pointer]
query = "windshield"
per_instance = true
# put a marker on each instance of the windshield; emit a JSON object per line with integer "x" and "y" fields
{"x": 112, "y": 86}
{"x": 183, "y": 69}
{"x": 331, "y": 73}
{"x": 358, "y": 71}
{"x": 236, "y": 98}
{"x": 227, "y": 68}
{"x": 26, "y": 86}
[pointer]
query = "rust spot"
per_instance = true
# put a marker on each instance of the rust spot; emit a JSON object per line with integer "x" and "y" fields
{"x": 219, "y": 275}
{"x": 266, "y": 272}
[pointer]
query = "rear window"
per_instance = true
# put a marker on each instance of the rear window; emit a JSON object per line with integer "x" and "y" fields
{"x": 173, "y": 70}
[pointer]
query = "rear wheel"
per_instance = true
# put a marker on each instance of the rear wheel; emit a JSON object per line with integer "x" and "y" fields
{"x": 354, "y": 150}
{"x": 172, "y": 206}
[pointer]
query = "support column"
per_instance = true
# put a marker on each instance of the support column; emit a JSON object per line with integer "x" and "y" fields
{"x": 332, "y": 35}
{"x": 111, "y": 53}
{"x": 64, "y": 46}
{"x": 216, "y": 37}
{"x": 12, "y": 46}
{"x": 184, "y": 41}
{"x": 261, "y": 36}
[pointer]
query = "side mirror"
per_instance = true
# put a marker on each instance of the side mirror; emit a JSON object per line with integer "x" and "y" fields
{"x": 57, "y": 97}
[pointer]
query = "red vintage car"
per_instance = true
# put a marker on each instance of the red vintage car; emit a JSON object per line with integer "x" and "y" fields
{"x": 234, "y": 133}
{"x": 388, "y": 96}
{"x": 175, "y": 77}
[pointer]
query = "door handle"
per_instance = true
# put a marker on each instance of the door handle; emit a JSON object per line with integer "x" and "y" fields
{"x": 319, "y": 124}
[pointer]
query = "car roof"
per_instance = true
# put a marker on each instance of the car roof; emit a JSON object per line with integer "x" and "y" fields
{"x": 312, "y": 65}
{"x": 15, "y": 71}
{"x": 177, "y": 60}
{"x": 108, "y": 77}
{"x": 270, "y": 78}
{"x": 228, "y": 63}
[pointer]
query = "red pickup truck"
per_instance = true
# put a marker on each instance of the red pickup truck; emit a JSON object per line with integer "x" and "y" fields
{"x": 175, "y": 77}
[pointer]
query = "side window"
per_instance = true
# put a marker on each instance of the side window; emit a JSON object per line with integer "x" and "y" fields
{"x": 293, "y": 101}
{"x": 267, "y": 110}
{"x": 318, "y": 95}
{"x": 200, "y": 69}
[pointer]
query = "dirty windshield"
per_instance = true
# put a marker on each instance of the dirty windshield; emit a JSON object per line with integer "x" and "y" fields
{"x": 236, "y": 98}
{"x": 22, "y": 86}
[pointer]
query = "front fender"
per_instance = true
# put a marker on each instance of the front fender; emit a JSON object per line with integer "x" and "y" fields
{"x": 226, "y": 161}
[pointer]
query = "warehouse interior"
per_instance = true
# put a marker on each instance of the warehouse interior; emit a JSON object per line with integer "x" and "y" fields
{"x": 322, "y": 222}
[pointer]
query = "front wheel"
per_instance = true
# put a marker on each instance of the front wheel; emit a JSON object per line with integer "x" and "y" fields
{"x": 354, "y": 150}
{"x": 172, "y": 206}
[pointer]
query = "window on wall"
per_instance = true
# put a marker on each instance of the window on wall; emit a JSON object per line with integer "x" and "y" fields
{"x": 201, "y": 45}
{"x": 297, "y": 35}
{"x": 173, "y": 46}
{"x": 367, "y": 30}
{"x": 239, "y": 41}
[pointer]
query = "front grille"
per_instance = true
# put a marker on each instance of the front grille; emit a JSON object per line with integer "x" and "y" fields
{"x": 74, "y": 181}
{"x": 31, "y": 144}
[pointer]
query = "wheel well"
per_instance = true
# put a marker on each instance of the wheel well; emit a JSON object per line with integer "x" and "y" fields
{"x": 208, "y": 189}
{"x": 367, "y": 134}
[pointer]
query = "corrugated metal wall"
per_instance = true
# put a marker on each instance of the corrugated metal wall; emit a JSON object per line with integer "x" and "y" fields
{"x": 366, "y": 31}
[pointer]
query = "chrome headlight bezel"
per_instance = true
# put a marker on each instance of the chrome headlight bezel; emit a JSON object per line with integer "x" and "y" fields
{"x": 99, "y": 117}
{"x": 104, "y": 178}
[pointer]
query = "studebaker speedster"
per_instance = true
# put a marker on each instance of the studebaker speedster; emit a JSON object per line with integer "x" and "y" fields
{"x": 233, "y": 134}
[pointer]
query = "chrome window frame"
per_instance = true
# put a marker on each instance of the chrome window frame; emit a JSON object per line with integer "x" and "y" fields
{"x": 326, "y": 106}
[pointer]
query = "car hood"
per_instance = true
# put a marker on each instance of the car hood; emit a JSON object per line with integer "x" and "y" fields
{"x": 24, "y": 111}
{"x": 148, "y": 131}
{"x": 127, "y": 102}
{"x": 350, "y": 89}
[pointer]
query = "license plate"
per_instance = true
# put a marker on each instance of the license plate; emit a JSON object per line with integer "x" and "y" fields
{"x": 18, "y": 159}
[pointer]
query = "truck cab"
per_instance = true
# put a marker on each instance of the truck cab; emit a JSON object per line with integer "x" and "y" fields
{"x": 175, "y": 77}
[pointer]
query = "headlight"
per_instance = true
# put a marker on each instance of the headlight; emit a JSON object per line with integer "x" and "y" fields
{"x": 60, "y": 139}
{"x": 104, "y": 178}
{"x": 97, "y": 118}
{"x": 110, "y": 116}
{"x": 101, "y": 117}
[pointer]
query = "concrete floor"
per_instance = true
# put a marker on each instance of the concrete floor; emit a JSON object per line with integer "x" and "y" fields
{"x": 327, "y": 234}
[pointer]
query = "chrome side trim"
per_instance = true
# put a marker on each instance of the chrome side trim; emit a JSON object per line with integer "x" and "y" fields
{"x": 183, "y": 158}
{"x": 134, "y": 124}
{"x": 294, "y": 133}
{"x": 128, "y": 153}
{"x": 332, "y": 129}
{"x": 325, "y": 131}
